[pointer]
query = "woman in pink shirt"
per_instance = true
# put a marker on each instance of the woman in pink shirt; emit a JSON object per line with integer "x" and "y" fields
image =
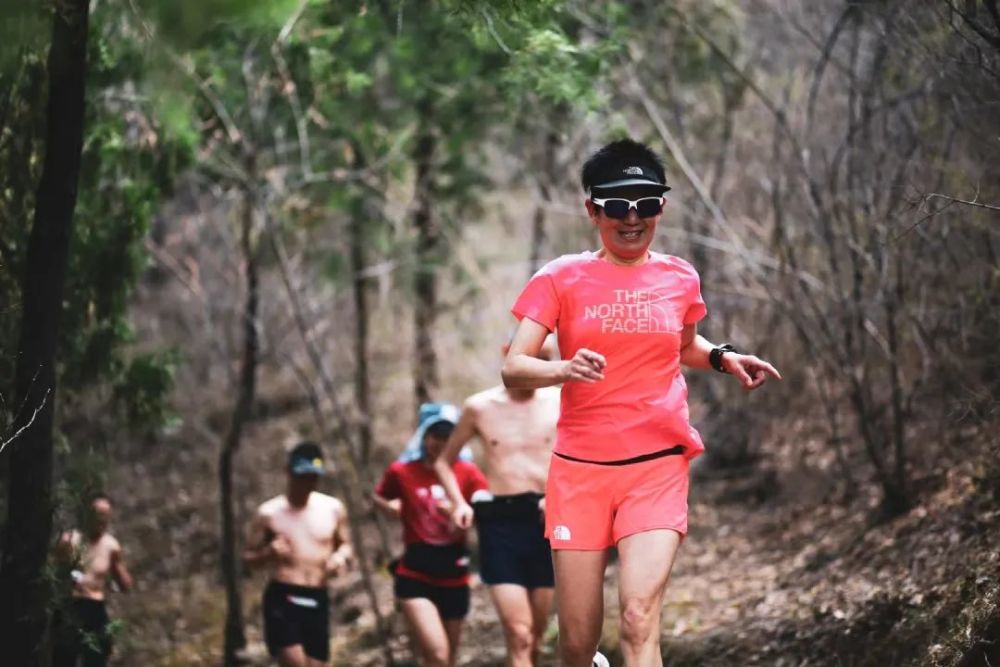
{"x": 626, "y": 318}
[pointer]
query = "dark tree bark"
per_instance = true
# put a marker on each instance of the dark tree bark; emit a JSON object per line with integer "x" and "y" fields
{"x": 362, "y": 385}
{"x": 538, "y": 235}
{"x": 235, "y": 638}
{"x": 425, "y": 372}
{"x": 23, "y": 587}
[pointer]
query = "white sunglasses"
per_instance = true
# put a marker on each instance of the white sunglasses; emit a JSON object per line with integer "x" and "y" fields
{"x": 614, "y": 207}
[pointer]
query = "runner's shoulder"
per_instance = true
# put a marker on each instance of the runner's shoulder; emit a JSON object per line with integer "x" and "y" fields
{"x": 272, "y": 506}
{"x": 674, "y": 263}
{"x": 110, "y": 542}
{"x": 565, "y": 263}
{"x": 325, "y": 500}
{"x": 483, "y": 399}
{"x": 70, "y": 537}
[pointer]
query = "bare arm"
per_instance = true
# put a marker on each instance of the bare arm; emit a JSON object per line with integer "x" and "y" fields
{"x": 343, "y": 552}
{"x": 392, "y": 508}
{"x": 259, "y": 548}
{"x": 63, "y": 549}
{"x": 120, "y": 572}
{"x": 751, "y": 371}
{"x": 524, "y": 370}
{"x": 464, "y": 430}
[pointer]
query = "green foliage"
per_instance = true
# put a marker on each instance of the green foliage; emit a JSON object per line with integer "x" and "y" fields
{"x": 24, "y": 27}
{"x": 556, "y": 69}
{"x": 129, "y": 161}
{"x": 143, "y": 387}
{"x": 193, "y": 23}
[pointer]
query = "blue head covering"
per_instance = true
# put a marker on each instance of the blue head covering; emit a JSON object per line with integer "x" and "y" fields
{"x": 430, "y": 414}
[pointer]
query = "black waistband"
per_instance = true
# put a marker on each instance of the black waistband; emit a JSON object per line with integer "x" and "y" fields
{"x": 88, "y": 602}
{"x": 510, "y": 506}
{"x": 676, "y": 450}
{"x": 314, "y": 592}
{"x": 441, "y": 561}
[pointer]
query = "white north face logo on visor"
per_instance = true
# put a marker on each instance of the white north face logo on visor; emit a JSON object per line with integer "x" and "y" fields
{"x": 633, "y": 171}
{"x": 561, "y": 533}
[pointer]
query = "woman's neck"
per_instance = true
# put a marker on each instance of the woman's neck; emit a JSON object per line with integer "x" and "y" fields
{"x": 612, "y": 258}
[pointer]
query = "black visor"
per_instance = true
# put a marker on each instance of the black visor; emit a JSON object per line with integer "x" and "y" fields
{"x": 628, "y": 175}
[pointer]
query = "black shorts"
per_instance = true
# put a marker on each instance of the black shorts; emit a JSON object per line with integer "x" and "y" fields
{"x": 452, "y": 602}
{"x": 512, "y": 544}
{"x": 297, "y": 615}
{"x": 80, "y": 632}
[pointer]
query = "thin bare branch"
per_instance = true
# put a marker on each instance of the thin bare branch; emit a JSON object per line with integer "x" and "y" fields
{"x": 689, "y": 172}
{"x": 218, "y": 107}
{"x": 290, "y": 90}
{"x": 3, "y": 445}
{"x": 493, "y": 31}
{"x": 977, "y": 204}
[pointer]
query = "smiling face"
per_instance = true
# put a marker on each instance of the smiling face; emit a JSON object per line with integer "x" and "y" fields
{"x": 625, "y": 241}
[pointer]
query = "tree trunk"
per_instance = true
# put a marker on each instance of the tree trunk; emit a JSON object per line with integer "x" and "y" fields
{"x": 538, "y": 236}
{"x": 425, "y": 373}
{"x": 235, "y": 639}
{"x": 362, "y": 386}
{"x": 23, "y": 586}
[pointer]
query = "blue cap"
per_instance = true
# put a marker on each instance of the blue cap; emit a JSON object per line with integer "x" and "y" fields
{"x": 430, "y": 414}
{"x": 306, "y": 459}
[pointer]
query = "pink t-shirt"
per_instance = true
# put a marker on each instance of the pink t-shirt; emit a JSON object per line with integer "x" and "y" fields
{"x": 633, "y": 315}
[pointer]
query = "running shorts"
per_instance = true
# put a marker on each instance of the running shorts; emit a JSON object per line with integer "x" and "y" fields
{"x": 297, "y": 615}
{"x": 591, "y": 505}
{"x": 80, "y": 632}
{"x": 452, "y": 602}
{"x": 512, "y": 544}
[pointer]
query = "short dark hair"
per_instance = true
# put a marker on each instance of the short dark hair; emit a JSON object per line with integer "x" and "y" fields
{"x": 622, "y": 151}
{"x": 441, "y": 429}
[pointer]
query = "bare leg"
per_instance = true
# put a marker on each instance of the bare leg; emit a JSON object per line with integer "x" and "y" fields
{"x": 428, "y": 630}
{"x": 453, "y": 628}
{"x": 580, "y": 599}
{"x": 293, "y": 656}
{"x": 541, "y": 607}
{"x": 514, "y": 606}
{"x": 646, "y": 560}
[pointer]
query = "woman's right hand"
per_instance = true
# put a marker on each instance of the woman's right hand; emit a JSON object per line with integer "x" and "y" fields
{"x": 585, "y": 366}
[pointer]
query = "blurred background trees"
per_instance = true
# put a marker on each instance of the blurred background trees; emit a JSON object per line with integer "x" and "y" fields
{"x": 304, "y": 218}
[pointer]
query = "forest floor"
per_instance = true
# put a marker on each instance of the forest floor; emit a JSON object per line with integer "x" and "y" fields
{"x": 767, "y": 576}
{"x": 762, "y": 583}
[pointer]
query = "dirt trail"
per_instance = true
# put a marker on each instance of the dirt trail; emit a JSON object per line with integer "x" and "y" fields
{"x": 784, "y": 584}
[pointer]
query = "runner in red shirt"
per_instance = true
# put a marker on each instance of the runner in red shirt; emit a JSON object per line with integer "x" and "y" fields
{"x": 626, "y": 319}
{"x": 432, "y": 578}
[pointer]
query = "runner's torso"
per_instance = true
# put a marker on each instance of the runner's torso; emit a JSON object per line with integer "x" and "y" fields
{"x": 634, "y": 316}
{"x": 95, "y": 558}
{"x": 309, "y": 531}
{"x": 426, "y": 510}
{"x": 517, "y": 437}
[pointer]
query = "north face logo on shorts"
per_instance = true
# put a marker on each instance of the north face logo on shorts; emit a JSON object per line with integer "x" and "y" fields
{"x": 561, "y": 533}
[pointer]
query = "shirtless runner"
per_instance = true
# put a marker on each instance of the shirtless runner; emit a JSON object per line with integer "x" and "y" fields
{"x": 81, "y": 631}
{"x": 517, "y": 429}
{"x": 302, "y": 536}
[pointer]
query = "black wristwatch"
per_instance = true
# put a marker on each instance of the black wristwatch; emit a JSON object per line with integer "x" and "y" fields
{"x": 715, "y": 356}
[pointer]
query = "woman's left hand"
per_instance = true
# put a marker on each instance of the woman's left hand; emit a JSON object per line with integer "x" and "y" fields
{"x": 751, "y": 371}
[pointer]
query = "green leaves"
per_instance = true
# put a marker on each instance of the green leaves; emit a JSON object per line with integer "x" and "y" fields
{"x": 143, "y": 388}
{"x": 556, "y": 69}
{"x": 191, "y": 23}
